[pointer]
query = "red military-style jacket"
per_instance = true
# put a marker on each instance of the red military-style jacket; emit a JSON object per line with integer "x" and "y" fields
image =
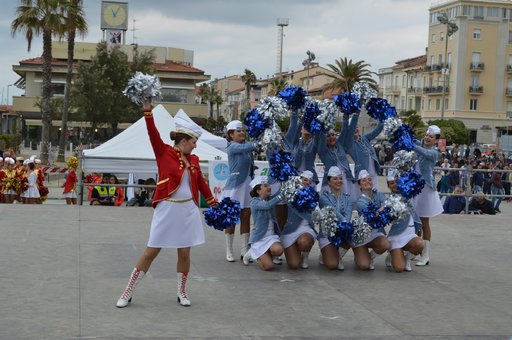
{"x": 171, "y": 168}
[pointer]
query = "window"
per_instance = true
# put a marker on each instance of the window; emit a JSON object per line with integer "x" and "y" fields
{"x": 58, "y": 89}
{"x": 440, "y": 59}
{"x": 509, "y": 106}
{"x": 493, "y": 12}
{"x": 510, "y": 37}
{"x": 433, "y": 38}
{"x": 441, "y": 36}
{"x": 448, "y": 59}
{"x": 446, "y": 103}
{"x": 403, "y": 80}
{"x": 174, "y": 95}
{"x": 473, "y": 104}
{"x": 504, "y": 12}
{"x": 438, "y": 104}
{"x": 432, "y": 59}
{"x": 477, "y": 33}
{"x": 430, "y": 104}
{"x": 478, "y": 11}
{"x": 466, "y": 10}
{"x": 475, "y": 80}
{"x": 402, "y": 103}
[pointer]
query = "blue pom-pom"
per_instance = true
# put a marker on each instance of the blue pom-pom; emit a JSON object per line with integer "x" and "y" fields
{"x": 376, "y": 218}
{"x": 343, "y": 234}
{"x": 226, "y": 214}
{"x": 403, "y": 138}
{"x": 410, "y": 184}
{"x": 311, "y": 124}
{"x": 306, "y": 199}
{"x": 348, "y": 103}
{"x": 380, "y": 109}
{"x": 256, "y": 123}
{"x": 295, "y": 97}
{"x": 281, "y": 166}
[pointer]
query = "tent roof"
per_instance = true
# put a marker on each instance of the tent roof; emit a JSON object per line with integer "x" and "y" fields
{"x": 131, "y": 150}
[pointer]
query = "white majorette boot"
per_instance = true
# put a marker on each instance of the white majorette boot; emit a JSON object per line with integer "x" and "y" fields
{"x": 408, "y": 257}
{"x": 425, "y": 255}
{"x": 229, "y": 247}
{"x": 387, "y": 260}
{"x": 304, "y": 260}
{"x": 342, "y": 252}
{"x": 182, "y": 293}
{"x": 245, "y": 245}
{"x": 373, "y": 255}
{"x": 126, "y": 297}
{"x": 277, "y": 260}
{"x": 246, "y": 258}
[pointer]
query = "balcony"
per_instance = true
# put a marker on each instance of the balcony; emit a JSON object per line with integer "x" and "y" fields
{"x": 508, "y": 91}
{"x": 428, "y": 68}
{"x": 476, "y": 89}
{"x": 476, "y": 66}
{"x": 437, "y": 67}
{"x": 413, "y": 90}
{"x": 435, "y": 90}
{"x": 392, "y": 89}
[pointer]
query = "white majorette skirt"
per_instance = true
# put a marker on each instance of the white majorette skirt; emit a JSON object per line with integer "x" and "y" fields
{"x": 176, "y": 225}
{"x": 400, "y": 240}
{"x": 241, "y": 193}
{"x": 322, "y": 242}
{"x": 259, "y": 248}
{"x": 375, "y": 233}
{"x": 71, "y": 194}
{"x": 428, "y": 203}
{"x": 290, "y": 239}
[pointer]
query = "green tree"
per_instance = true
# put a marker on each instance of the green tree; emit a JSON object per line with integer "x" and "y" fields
{"x": 208, "y": 93}
{"x": 348, "y": 73}
{"x": 248, "y": 78}
{"x": 276, "y": 85}
{"x": 454, "y": 131}
{"x": 218, "y": 102}
{"x": 46, "y": 18}
{"x": 75, "y": 22}
{"x": 414, "y": 120}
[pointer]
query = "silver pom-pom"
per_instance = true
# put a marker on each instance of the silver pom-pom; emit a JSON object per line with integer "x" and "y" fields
{"x": 364, "y": 90}
{"x": 390, "y": 126}
{"x": 330, "y": 112}
{"x": 290, "y": 187}
{"x": 362, "y": 231}
{"x": 272, "y": 138}
{"x": 404, "y": 160}
{"x": 326, "y": 220}
{"x": 273, "y": 108}
{"x": 398, "y": 206}
{"x": 143, "y": 86}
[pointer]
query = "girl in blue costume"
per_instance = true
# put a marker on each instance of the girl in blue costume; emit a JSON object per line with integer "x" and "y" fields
{"x": 427, "y": 204}
{"x": 361, "y": 150}
{"x": 241, "y": 172}
{"x": 298, "y": 235}
{"x": 402, "y": 235}
{"x": 333, "y": 196}
{"x": 377, "y": 239}
{"x": 265, "y": 242}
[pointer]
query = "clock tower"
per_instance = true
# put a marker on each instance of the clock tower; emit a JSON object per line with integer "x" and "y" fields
{"x": 114, "y": 21}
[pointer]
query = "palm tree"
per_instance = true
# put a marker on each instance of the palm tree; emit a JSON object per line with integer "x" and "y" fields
{"x": 276, "y": 85}
{"x": 36, "y": 17}
{"x": 248, "y": 78}
{"x": 218, "y": 102}
{"x": 348, "y": 73}
{"x": 75, "y": 21}
{"x": 208, "y": 93}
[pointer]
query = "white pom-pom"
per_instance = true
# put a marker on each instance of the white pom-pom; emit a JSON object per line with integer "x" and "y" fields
{"x": 390, "y": 126}
{"x": 273, "y": 108}
{"x": 272, "y": 139}
{"x": 290, "y": 187}
{"x": 143, "y": 86}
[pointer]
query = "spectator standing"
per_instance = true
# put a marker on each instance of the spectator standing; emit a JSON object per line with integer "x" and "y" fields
{"x": 497, "y": 188}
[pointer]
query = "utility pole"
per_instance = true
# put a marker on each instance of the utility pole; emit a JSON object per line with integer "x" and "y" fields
{"x": 451, "y": 28}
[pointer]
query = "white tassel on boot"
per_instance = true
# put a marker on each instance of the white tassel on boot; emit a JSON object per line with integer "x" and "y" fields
{"x": 342, "y": 252}
{"x": 373, "y": 255}
{"x": 408, "y": 257}
{"x": 182, "y": 292}
{"x": 387, "y": 260}
{"x": 245, "y": 245}
{"x": 229, "y": 247}
{"x": 304, "y": 260}
{"x": 126, "y": 297}
{"x": 425, "y": 255}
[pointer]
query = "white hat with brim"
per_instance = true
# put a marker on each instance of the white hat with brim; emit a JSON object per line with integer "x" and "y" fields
{"x": 363, "y": 174}
{"x": 187, "y": 127}
{"x": 234, "y": 125}
{"x": 307, "y": 174}
{"x": 391, "y": 176}
{"x": 9, "y": 160}
{"x": 258, "y": 180}
{"x": 334, "y": 171}
{"x": 433, "y": 130}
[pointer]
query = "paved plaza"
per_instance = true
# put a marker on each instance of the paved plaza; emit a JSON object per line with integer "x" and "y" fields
{"x": 63, "y": 268}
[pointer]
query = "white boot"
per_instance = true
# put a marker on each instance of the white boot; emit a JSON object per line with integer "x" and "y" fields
{"x": 342, "y": 252}
{"x": 229, "y": 247}
{"x": 425, "y": 255}
{"x": 304, "y": 260}
{"x": 277, "y": 260}
{"x": 126, "y": 297}
{"x": 321, "y": 259}
{"x": 246, "y": 258}
{"x": 387, "y": 260}
{"x": 245, "y": 245}
{"x": 373, "y": 255}
{"x": 182, "y": 293}
{"x": 408, "y": 257}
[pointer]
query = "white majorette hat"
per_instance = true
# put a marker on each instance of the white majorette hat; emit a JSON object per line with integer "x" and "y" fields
{"x": 9, "y": 160}
{"x": 391, "y": 175}
{"x": 334, "y": 171}
{"x": 363, "y": 174}
{"x": 19, "y": 158}
{"x": 234, "y": 125}
{"x": 37, "y": 161}
{"x": 433, "y": 130}
{"x": 1, "y": 159}
{"x": 307, "y": 174}
{"x": 258, "y": 180}
{"x": 26, "y": 161}
{"x": 32, "y": 158}
{"x": 187, "y": 127}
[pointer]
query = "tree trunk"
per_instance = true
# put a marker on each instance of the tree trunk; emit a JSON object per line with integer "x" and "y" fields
{"x": 47, "y": 92}
{"x": 67, "y": 93}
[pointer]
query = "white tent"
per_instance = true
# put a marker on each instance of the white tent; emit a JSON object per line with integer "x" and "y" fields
{"x": 131, "y": 151}
{"x": 207, "y": 137}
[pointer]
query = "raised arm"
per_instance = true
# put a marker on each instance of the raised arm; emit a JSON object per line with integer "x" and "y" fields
{"x": 265, "y": 205}
{"x": 154, "y": 136}
{"x": 234, "y": 148}
{"x": 375, "y": 132}
{"x": 292, "y": 135}
{"x": 349, "y": 130}
{"x": 427, "y": 153}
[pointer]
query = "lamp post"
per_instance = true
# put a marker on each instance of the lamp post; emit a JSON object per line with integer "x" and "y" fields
{"x": 8, "y": 86}
{"x": 451, "y": 28}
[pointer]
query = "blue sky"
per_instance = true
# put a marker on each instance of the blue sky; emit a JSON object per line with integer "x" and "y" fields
{"x": 228, "y": 36}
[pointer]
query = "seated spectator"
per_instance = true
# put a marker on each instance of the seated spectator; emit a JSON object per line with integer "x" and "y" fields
{"x": 480, "y": 205}
{"x": 119, "y": 193}
{"x": 103, "y": 195}
{"x": 455, "y": 204}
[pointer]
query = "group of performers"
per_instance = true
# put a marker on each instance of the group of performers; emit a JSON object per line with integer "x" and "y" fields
{"x": 22, "y": 180}
{"x": 280, "y": 228}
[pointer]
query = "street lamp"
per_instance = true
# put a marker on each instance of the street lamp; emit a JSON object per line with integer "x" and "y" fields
{"x": 8, "y": 93}
{"x": 451, "y": 28}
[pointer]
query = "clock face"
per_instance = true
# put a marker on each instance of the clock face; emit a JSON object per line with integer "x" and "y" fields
{"x": 114, "y": 15}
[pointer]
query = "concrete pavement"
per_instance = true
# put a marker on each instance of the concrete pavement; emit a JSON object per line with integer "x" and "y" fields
{"x": 63, "y": 268}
